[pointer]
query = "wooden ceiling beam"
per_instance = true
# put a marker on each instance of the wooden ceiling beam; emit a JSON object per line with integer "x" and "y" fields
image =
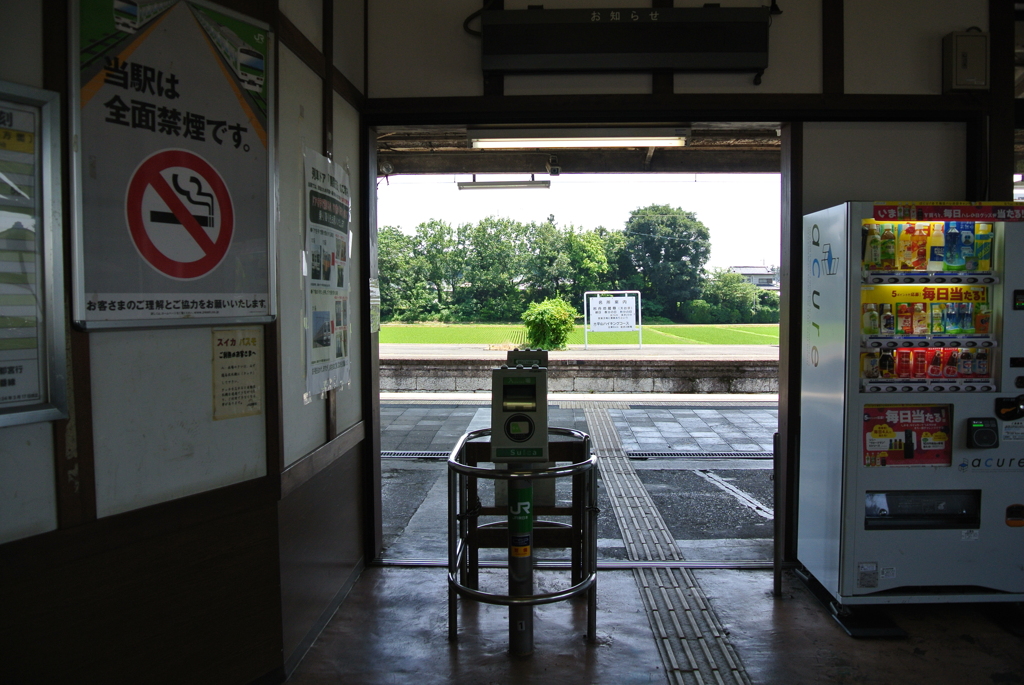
{"x": 663, "y": 160}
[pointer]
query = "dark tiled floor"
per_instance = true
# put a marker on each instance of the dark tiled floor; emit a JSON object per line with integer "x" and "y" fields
{"x": 436, "y": 427}
{"x": 645, "y": 429}
{"x": 392, "y": 628}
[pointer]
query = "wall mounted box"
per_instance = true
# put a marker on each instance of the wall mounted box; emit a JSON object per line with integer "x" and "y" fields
{"x": 625, "y": 39}
{"x": 964, "y": 61}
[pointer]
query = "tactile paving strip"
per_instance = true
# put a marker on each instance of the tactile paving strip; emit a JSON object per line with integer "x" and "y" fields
{"x": 693, "y": 645}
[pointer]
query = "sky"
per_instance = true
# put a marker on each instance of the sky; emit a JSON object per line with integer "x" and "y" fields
{"x": 741, "y": 211}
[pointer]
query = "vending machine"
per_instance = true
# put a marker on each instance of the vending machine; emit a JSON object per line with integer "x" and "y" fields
{"x": 911, "y": 453}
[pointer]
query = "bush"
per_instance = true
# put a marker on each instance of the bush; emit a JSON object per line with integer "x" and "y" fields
{"x": 549, "y": 323}
{"x": 697, "y": 311}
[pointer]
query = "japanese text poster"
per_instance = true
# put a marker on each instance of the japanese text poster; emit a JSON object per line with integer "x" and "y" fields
{"x": 237, "y": 372}
{"x": 173, "y": 171}
{"x": 908, "y": 435}
{"x": 613, "y": 313}
{"x": 328, "y": 247}
{"x": 21, "y": 300}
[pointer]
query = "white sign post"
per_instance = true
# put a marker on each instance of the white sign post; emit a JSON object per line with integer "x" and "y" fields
{"x": 611, "y": 311}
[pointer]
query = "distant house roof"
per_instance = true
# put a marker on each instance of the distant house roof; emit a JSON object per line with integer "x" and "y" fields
{"x": 753, "y": 270}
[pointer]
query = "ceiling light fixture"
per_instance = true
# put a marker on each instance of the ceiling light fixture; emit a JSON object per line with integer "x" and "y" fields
{"x": 575, "y": 138}
{"x": 502, "y": 185}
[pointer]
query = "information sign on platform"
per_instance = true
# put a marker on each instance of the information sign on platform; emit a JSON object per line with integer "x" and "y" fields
{"x": 173, "y": 197}
{"x": 608, "y": 314}
{"x": 611, "y": 311}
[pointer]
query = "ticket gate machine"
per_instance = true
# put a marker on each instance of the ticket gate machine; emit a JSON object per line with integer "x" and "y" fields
{"x": 519, "y": 415}
{"x": 526, "y": 358}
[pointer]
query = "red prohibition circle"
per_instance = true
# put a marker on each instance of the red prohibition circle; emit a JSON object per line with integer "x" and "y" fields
{"x": 148, "y": 175}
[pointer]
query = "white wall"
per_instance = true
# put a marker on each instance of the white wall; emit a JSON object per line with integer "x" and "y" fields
{"x": 28, "y": 501}
{"x": 307, "y": 15}
{"x": 418, "y": 49}
{"x": 891, "y": 161}
{"x": 896, "y": 47}
{"x": 299, "y": 123}
{"x": 154, "y": 434}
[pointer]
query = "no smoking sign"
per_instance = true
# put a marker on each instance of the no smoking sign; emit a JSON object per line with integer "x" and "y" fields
{"x": 179, "y": 214}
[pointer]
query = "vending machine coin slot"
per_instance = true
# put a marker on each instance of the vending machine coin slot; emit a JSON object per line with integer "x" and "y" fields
{"x": 1010, "y": 408}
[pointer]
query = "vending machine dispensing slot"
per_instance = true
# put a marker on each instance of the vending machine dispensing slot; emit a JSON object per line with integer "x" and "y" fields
{"x": 922, "y": 510}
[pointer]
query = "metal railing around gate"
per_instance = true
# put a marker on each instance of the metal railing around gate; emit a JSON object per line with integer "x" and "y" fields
{"x": 466, "y": 536}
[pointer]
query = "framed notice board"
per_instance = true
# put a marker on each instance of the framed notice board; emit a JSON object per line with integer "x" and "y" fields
{"x": 33, "y": 376}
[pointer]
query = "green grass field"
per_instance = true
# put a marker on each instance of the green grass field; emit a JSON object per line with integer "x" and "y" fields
{"x": 499, "y": 334}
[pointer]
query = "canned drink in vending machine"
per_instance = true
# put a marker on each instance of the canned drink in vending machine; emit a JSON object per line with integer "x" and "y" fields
{"x": 886, "y": 320}
{"x": 951, "y": 362}
{"x": 886, "y": 364}
{"x": 951, "y": 319}
{"x": 869, "y": 365}
{"x": 904, "y": 319}
{"x": 982, "y": 319}
{"x": 965, "y": 365}
{"x": 937, "y": 322}
{"x": 966, "y": 317}
{"x": 904, "y": 363}
{"x": 981, "y": 363}
{"x": 921, "y": 363}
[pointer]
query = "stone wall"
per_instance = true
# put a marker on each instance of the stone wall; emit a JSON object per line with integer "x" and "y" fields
{"x": 590, "y": 376}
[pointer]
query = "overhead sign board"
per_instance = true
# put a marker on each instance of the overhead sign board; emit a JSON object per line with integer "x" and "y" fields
{"x": 172, "y": 172}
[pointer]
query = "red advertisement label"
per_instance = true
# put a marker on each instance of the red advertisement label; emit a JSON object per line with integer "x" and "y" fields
{"x": 948, "y": 211}
{"x": 907, "y": 435}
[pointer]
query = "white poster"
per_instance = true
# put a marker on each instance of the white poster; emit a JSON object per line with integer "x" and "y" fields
{"x": 328, "y": 248}
{"x": 612, "y": 314}
{"x": 237, "y": 372}
{"x": 173, "y": 112}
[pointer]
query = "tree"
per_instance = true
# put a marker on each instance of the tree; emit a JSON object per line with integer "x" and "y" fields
{"x": 443, "y": 249}
{"x": 404, "y": 294}
{"x": 668, "y": 247}
{"x": 564, "y": 262}
{"x": 495, "y": 271}
{"x": 622, "y": 274}
{"x": 735, "y": 298}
